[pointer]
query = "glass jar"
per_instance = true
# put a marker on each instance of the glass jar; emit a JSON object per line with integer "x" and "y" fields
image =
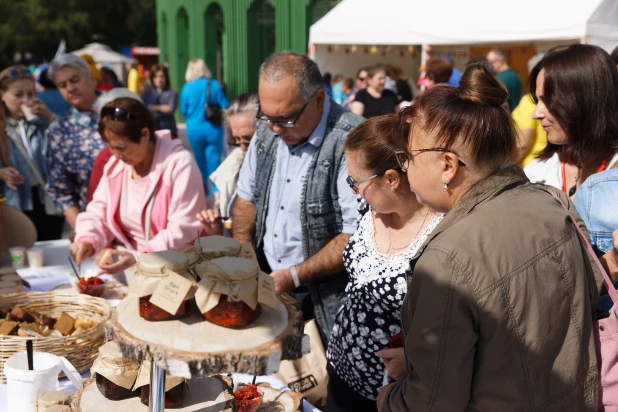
{"x": 153, "y": 268}
{"x": 173, "y": 398}
{"x": 114, "y": 374}
{"x": 230, "y": 310}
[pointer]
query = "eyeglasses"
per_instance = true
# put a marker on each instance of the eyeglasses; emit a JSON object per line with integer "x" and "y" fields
{"x": 404, "y": 159}
{"x": 117, "y": 114}
{"x": 354, "y": 184}
{"x": 260, "y": 116}
{"x": 238, "y": 144}
{"x": 362, "y": 79}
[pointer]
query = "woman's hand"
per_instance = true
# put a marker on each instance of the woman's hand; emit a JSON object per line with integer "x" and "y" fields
{"x": 38, "y": 108}
{"x": 395, "y": 362}
{"x": 211, "y": 221}
{"x": 81, "y": 251}
{"x": 123, "y": 261}
{"x": 11, "y": 177}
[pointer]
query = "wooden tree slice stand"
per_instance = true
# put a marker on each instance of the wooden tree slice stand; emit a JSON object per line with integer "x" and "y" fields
{"x": 193, "y": 346}
{"x": 207, "y": 394}
{"x": 278, "y": 401}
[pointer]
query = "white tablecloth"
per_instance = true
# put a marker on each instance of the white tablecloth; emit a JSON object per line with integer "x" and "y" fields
{"x": 55, "y": 274}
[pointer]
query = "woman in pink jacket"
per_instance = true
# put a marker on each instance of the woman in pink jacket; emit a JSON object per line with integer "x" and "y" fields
{"x": 149, "y": 194}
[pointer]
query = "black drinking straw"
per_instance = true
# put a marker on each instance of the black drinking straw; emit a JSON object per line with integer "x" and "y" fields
{"x": 254, "y": 378}
{"x": 73, "y": 266}
{"x": 29, "y": 354}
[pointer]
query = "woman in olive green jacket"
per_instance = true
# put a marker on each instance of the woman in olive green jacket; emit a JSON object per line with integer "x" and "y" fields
{"x": 499, "y": 310}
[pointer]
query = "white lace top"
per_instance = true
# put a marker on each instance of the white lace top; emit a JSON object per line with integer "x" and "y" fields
{"x": 371, "y": 313}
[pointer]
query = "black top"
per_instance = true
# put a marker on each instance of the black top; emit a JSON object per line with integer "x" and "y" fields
{"x": 376, "y": 107}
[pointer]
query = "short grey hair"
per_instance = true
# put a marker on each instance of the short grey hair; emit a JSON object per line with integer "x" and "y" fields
{"x": 67, "y": 60}
{"x": 245, "y": 103}
{"x": 304, "y": 70}
{"x": 197, "y": 69}
{"x": 116, "y": 93}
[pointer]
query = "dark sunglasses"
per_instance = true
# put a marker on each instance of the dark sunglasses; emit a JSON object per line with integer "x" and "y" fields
{"x": 117, "y": 114}
{"x": 362, "y": 79}
{"x": 17, "y": 73}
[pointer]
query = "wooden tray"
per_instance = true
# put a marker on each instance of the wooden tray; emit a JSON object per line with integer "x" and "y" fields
{"x": 80, "y": 350}
{"x": 195, "y": 347}
{"x": 212, "y": 394}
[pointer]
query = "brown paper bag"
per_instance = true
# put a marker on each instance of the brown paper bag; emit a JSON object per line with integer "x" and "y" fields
{"x": 308, "y": 375}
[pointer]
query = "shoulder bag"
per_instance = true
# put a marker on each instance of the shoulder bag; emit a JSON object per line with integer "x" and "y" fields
{"x": 212, "y": 112}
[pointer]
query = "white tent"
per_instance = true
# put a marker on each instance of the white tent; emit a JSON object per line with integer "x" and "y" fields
{"x": 104, "y": 55}
{"x": 458, "y": 23}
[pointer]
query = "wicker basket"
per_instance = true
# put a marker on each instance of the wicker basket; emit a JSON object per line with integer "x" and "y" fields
{"x": 80, "y": 350}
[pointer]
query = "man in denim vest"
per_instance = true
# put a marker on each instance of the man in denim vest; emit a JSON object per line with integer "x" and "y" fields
{"x": 293, "y": 200}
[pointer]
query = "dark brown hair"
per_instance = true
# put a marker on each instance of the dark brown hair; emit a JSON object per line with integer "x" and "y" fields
{"x": 132, "y": 128}
{"x": 472, "y": 116}
{"x": 376, "y": 140}
{"x": 373, "y": 70}
{"x": 615, "y": 55}
{"x": 6, "y": 79}
{"x": 159, "y": 68}
{"x": 581, "y": 92}
{"x": 439, "y": 70}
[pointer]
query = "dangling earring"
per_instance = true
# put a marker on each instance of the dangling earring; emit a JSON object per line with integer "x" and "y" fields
{"x": 445, "y": 185}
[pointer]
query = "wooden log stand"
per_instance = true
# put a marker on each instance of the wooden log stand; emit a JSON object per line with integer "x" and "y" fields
{"x": 193, "y": 347}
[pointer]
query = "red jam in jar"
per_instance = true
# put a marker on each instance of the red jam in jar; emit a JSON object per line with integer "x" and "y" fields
{"x": 232, "y": 314}
{"x": 92, "y": 286}
{"x": 152, "y": 312}
{"x": 173, "y": 398}
{"x": 110, "y": 390}
{"x": 248, "y": 399}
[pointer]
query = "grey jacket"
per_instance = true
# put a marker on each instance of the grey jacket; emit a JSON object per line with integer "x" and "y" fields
{"x": 499, "y": 311}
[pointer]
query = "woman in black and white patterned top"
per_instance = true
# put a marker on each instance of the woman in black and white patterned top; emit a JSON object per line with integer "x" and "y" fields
{"x": 392, "y": 227}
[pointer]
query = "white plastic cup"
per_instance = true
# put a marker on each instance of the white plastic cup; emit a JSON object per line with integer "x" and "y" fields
{"x": 23, "y": 385}
{"x": 18, "y": 256}
{"x": 36, "y": 257}
{"x": 27, "y": 113}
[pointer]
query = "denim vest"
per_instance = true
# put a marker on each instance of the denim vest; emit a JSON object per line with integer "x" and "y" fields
{"x": 321, "y": 218}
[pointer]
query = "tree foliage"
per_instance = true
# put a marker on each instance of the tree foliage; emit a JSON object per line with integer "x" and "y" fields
{"x": 38, "y": 26}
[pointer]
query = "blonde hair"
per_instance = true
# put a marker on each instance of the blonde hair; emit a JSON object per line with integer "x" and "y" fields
{"x": 197, "y": 69}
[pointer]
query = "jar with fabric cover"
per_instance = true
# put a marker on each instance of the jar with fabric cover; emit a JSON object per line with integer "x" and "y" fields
{"x": 174, "y": 387}
{"x": 227, "y": 295}
{"x": 211, "y": 247}
{"x": 150, "y": 270}
{"x": 114, "y": 374}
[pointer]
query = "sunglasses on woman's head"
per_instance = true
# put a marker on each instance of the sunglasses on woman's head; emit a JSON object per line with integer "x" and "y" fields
{"x": 117, "y": 114}
{"x": 19, "y": 73}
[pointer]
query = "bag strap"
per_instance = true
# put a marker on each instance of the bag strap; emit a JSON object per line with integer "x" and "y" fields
{"x": 207, "y": 92}
{"x": 611, "y": 289}
{"x": 149, "y": 215}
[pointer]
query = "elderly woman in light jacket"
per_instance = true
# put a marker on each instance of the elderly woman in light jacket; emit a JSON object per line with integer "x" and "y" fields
{"x": 239, "y": 121}
{"x": 499, "y": 310}
{"x": 148, "y": 195}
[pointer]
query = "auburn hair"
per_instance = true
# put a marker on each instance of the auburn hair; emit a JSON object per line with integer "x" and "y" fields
{"x": 471, "y": 116}
{"x": 154, "y": 69}
{"x": 439, "y": 70}
{"x": 132, "y": 128}
{"x": 581, "y": 91}
{"x": 376, "y": 140}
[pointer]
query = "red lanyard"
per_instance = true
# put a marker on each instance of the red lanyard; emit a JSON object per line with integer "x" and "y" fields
{"x": 601, "y": 168}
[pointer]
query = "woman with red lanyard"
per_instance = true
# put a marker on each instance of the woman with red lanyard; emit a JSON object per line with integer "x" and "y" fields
{"x": 576, "y": 89}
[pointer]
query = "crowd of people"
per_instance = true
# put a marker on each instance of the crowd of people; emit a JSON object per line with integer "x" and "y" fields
{"x": 391, "y": 216}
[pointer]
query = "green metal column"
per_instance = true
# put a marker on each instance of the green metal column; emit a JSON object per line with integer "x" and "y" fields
{"x": 236, "y": 46}
{"x": 299, "y": 30}
{"x": 283, "y": 11}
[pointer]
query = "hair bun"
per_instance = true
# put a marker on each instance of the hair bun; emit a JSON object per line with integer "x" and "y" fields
{"x": 479, "y": 85}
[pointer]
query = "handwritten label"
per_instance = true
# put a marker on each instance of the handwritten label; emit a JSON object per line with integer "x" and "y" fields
{"x": 266, "y": 290}
{"x": 247, "y": 252}
{"x": 170, "y": 293}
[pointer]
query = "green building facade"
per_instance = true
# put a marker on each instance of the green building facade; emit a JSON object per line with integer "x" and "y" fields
{"x": 233, "y": 36}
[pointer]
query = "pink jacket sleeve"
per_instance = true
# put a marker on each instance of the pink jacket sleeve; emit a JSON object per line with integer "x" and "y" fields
{"x": 91, "y": 225}
{"x": 187, "y": 199}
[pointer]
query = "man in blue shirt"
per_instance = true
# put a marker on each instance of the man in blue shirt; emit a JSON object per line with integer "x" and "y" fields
{"x": 293, "y": 200}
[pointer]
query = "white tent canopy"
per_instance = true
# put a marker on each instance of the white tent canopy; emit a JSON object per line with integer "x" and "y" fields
{"x": 104, "y": 55}
{"x": 469, "y": 22}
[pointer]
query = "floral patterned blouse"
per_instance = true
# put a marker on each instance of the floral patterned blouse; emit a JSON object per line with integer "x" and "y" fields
{"x": 74, "y": 143}
{"x": 371, "y": 314}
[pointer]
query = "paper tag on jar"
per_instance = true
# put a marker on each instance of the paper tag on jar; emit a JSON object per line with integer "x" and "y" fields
{"x": 170, "y": 293}
{"x": 267, "y": 294}
{"x": 247, "y": 252}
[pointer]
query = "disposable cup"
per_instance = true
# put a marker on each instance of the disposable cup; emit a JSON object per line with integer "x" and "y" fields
{"x": 18, "y": 256}
{"x": 36, "y": 257}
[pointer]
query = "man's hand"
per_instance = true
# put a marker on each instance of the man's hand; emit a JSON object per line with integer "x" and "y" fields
{"x": 81, "y": 251}
{"x": 123, "y": 261}
{"x": 11, "y": 177}
{"x": 382, "y": 396}
{"x": 211, "y": 221}
{"x": 283, "y": 280}
{"x": 395, "y": 362}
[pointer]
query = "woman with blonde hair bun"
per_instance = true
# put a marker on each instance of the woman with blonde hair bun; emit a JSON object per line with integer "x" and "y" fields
{"x": 205, "y": 133}
{"x": 499, "y": 310}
